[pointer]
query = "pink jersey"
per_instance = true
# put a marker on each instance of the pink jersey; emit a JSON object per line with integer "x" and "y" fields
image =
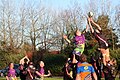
{"x": 41, "y": 70}
{"x": 11, "y": 73}
{"x": 79, "y": 39}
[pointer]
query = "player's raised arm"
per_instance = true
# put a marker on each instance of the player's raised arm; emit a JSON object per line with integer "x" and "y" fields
{"x": 99, "y": 28}
{"x": 89, "y": 23}
{"x": 65, "y": 37}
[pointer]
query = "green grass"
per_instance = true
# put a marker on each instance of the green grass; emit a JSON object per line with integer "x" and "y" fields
{"x": 1, "y": 78}
{"x": 53, "y": 78}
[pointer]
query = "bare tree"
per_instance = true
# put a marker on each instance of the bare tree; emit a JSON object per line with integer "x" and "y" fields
{"x": 65, "y": 23}
{"x": 3, "y": 27}
{"x": 117, "y": 21}
{"x": 8, "y": 20}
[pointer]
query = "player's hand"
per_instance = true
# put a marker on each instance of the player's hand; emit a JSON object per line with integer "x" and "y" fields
{"x": 91, "y": 19}
{"x": 106, "y": 44}
{"x": 49, "y": 73}
{"x": 28, "y": 70}
{"x": 88, "y": 20}
{"x": 98, "y": 71}
{"x": 64, "y": 36}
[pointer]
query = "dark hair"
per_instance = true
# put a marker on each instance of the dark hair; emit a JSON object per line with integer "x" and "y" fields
{"x": 10, "y": 64}
{"x": 30, "y": 63}
{"x": 83, "y": 58}
{"x": 25, "y": 60}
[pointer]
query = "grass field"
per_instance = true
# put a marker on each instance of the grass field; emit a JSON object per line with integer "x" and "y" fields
{"x": 53, "y": 78}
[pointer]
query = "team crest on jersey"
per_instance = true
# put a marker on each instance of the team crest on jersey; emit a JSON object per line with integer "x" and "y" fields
{"x": 86, "y": 68}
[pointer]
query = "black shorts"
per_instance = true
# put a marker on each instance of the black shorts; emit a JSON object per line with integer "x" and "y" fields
{"x": 77, "y": 58}
{"x": 103, "y": 46}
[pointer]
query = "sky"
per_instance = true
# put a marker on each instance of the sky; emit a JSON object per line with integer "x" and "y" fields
{"x": 62, "y": 4}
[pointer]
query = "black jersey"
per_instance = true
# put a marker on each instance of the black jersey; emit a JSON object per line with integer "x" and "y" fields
{"x": 101, "y": 39}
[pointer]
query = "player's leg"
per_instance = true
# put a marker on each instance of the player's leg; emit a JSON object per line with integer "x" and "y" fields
{"x": 104, "y": 55}
{"x": 107, "y": 57}
{"x": 79, "y": 50}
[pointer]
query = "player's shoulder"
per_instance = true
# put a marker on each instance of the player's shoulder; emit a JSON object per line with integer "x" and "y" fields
{"x": 84, "y": 64}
